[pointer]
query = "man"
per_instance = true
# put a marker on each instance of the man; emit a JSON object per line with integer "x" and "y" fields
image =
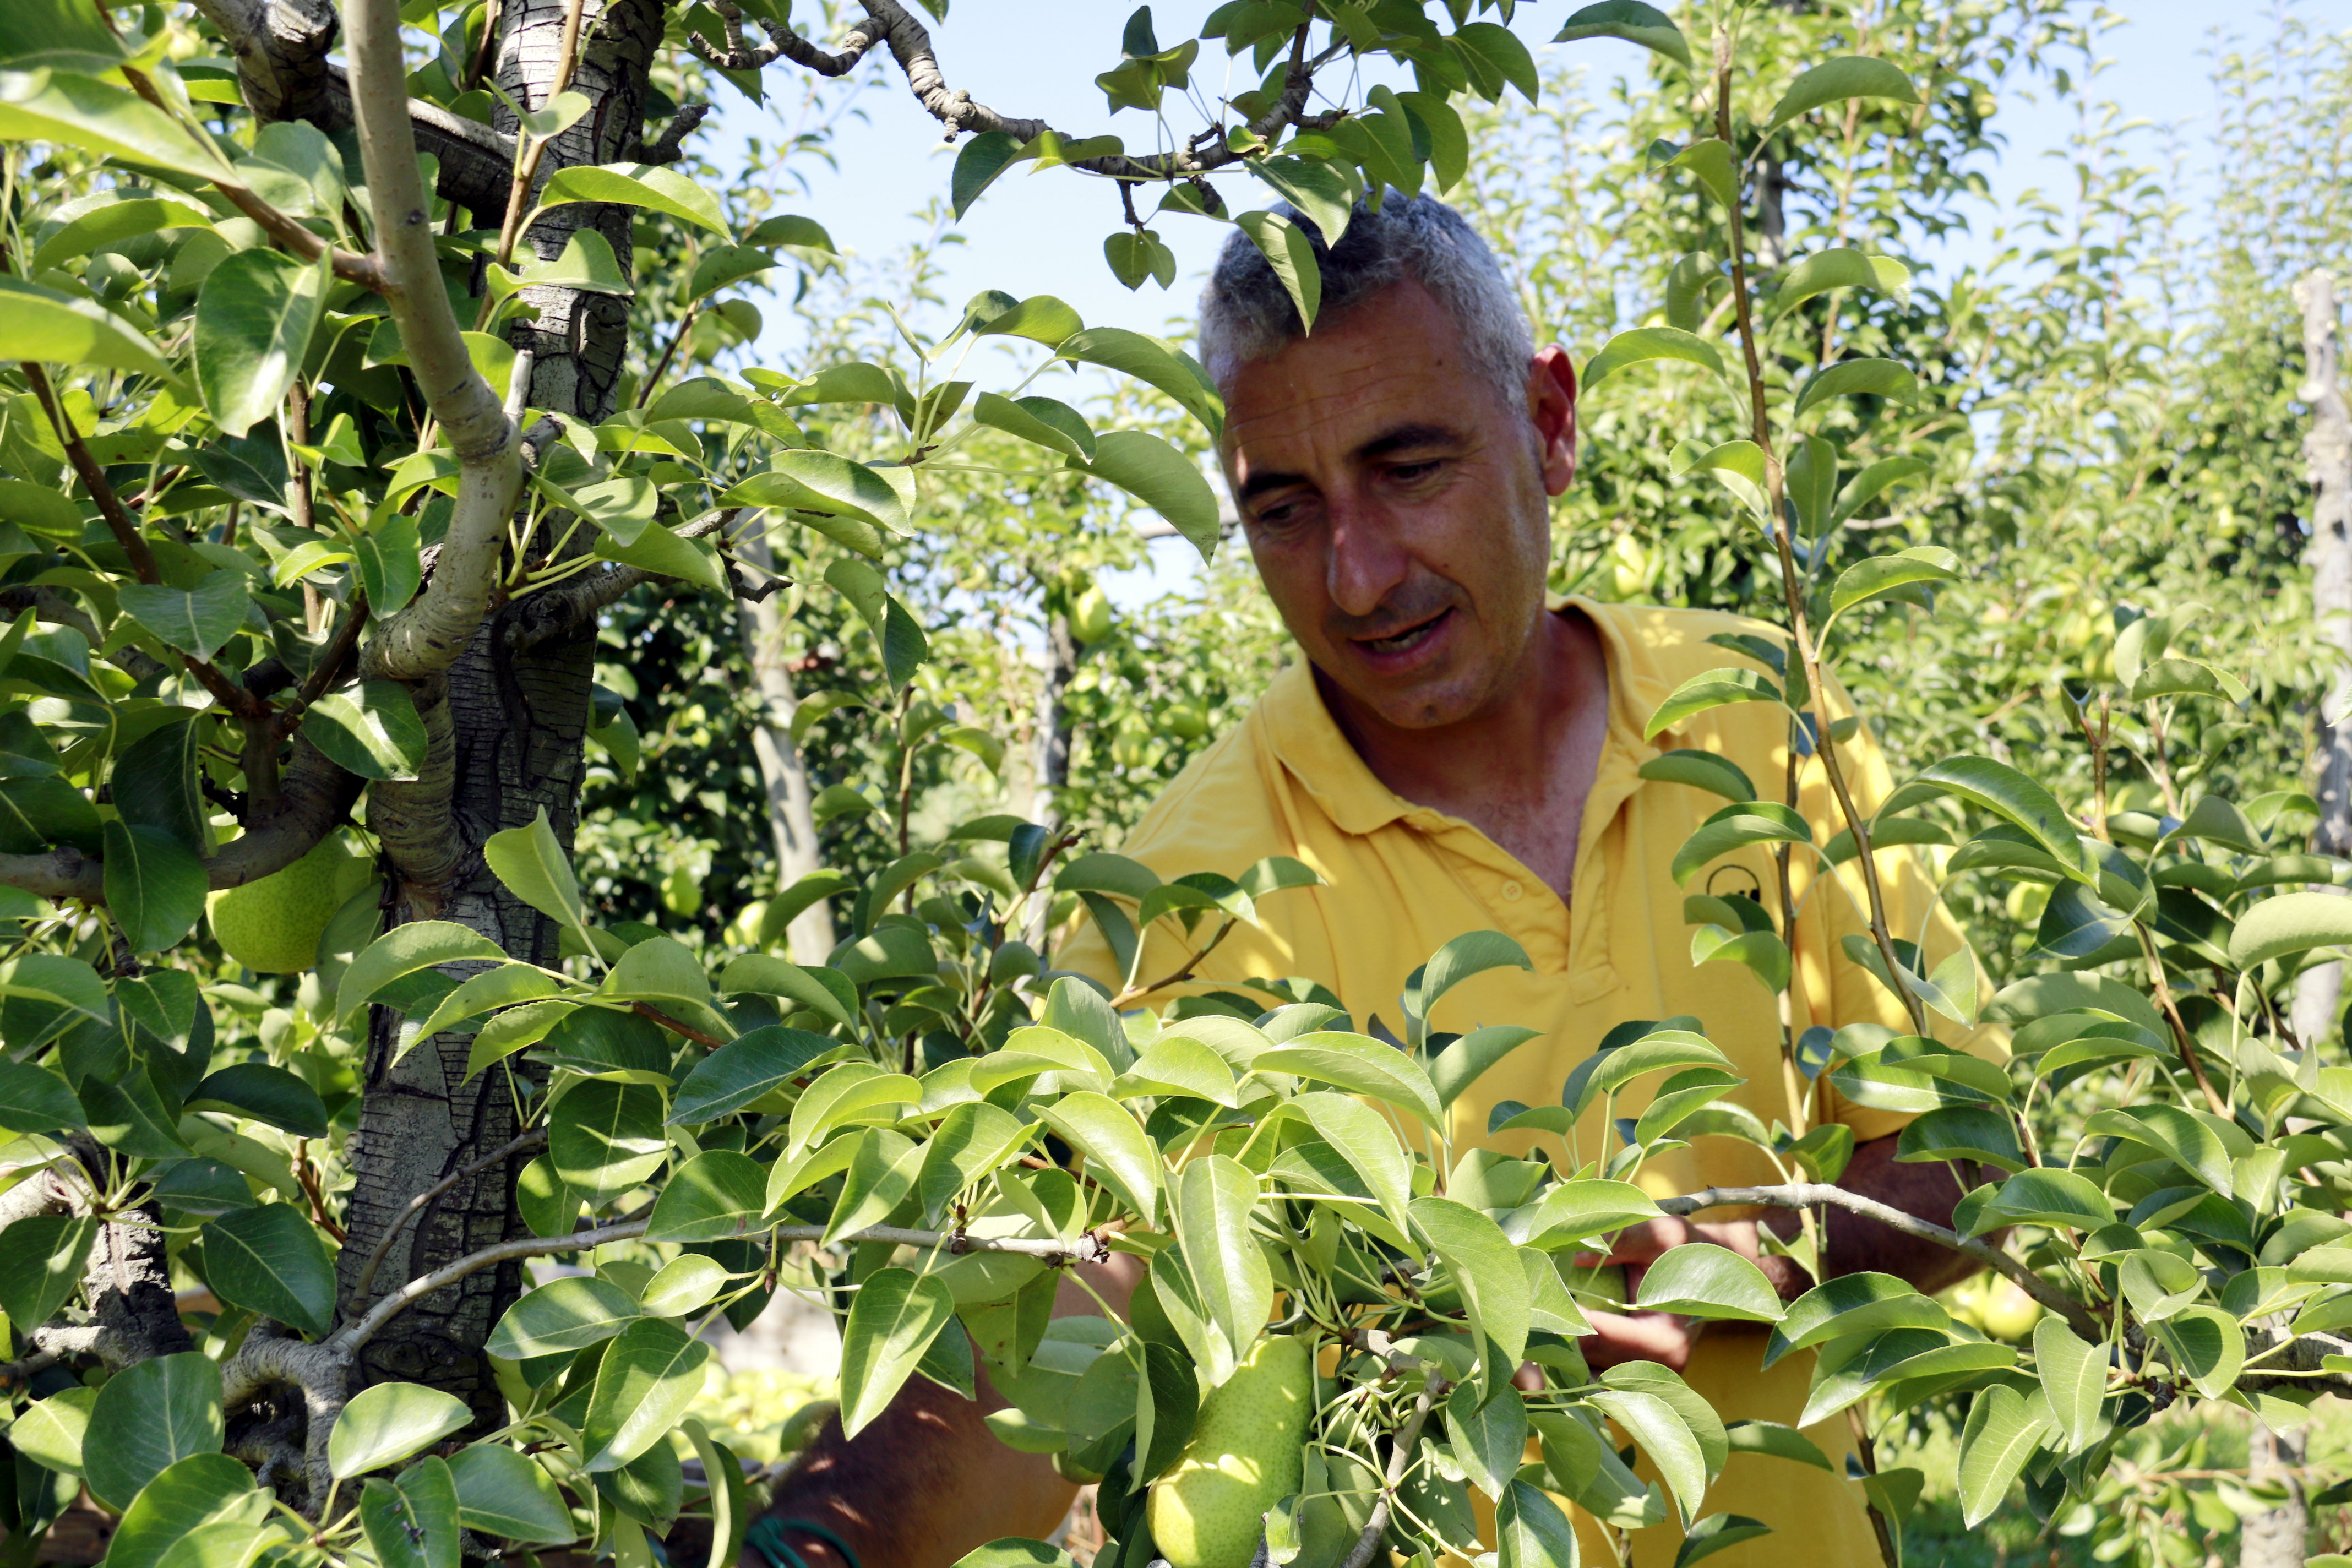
{"x": 1457, "y": 754}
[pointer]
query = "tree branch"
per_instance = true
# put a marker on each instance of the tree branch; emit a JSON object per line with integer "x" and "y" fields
{"x": 1087, "y": 1248}
{"x": 782, "y": 44}
{"x": 1806, "y": 1195}
{"x": 910, "y": 46}
{"x": 427, "y": 637}
{"x": 314, "y": 795}
{"x": 1400, "y": 1461}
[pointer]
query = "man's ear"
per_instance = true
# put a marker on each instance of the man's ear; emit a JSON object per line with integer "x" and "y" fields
{"x": 1551, "y": 402}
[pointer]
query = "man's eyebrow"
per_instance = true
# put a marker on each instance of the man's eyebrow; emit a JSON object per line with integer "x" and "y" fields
{"x": 1406, "y": 438}
{"x": 1401, "y": 438}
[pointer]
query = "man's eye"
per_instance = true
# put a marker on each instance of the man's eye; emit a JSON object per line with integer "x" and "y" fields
{"x": 1409, "y": 472}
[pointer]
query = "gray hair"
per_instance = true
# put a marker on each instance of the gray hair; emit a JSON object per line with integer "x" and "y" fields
{"x": 1246, "y": 314}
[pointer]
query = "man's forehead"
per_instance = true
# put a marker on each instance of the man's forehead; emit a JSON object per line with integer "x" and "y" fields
{"x": 1395, "y": 358}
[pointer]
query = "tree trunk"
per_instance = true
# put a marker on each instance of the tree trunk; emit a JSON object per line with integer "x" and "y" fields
{"x": 808, "y": 939}
{"x": 1049, "y": 749}
{"x": 2328, "y": 449}
{"x": 2276, "y": 1540}
{"x": 507, "y": 726}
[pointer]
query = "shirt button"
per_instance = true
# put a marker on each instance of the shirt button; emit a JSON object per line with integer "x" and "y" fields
{"x": 1511, "y": 891}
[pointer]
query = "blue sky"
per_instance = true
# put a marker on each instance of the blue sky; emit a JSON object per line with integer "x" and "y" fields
{"x": 1043, "y": 233}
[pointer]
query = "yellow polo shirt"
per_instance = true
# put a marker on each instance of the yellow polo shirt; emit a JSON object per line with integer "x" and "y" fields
{"x": 1401, "y": 880}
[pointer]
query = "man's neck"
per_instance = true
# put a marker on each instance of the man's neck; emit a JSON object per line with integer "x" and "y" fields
{"x": 1519, "y": 769}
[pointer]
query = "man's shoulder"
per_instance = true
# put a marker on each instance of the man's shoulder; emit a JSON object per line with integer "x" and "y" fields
{"x": 1219, "y": 807}
{"x": 1675, "y": 643}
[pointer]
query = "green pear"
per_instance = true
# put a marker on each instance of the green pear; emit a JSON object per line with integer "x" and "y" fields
{"x": 1245, "y": 1457}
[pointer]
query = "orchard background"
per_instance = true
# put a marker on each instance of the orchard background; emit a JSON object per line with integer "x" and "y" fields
{"x": 517, "y": 590}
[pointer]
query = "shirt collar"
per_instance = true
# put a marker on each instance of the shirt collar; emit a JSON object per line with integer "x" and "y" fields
{"x": 1308, "y": 743}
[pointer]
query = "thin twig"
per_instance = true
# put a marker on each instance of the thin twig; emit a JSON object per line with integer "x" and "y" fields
{"x": 1805, "y": 1194}
{"x": 648, "y": 1010}
{"x": 1400, "y": 1460}
{"x": 534, "y": 1139}
{"x": 1087, "y": 1248}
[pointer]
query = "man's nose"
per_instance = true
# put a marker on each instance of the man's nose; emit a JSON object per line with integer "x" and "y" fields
{"x": 1368, "y": 558}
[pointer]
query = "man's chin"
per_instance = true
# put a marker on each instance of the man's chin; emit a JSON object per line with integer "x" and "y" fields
{"x": 1435, "y": 701}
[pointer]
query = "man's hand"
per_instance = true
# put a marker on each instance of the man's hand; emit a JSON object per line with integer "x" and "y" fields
{"x": 1665, "y": 1338}
{"x": 1854, "y": 1245}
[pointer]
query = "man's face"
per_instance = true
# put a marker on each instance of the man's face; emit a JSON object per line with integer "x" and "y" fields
{"x": 1395, "y": 505}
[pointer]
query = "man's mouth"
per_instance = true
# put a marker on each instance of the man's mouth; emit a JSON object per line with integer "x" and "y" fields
{"x": 1404, "y": 641}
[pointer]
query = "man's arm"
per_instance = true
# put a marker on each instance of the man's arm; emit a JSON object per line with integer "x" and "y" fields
{"x": 1852, "y": 1245}
{"x": 927, "y": 1481}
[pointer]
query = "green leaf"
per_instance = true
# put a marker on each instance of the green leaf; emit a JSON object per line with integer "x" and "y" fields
{"x": 586, "y": 263}
{"x": 2288, "y": 923}
{"x": 1014, "y": 1552}
{"x": 1041, "y": 421}
{"x": 403, "y": 950}
{"x": 2073, "y": 1380}
{"x": 1702, "y": 693}
{"x": 1499, "y": 52}
{"x": 197, "y": 621}
{"x": 1214, "y": 1199}
{"x": 1366, "y": 1140}
{"x": 1118, "y": 1154}
{"x": 1712, "y": 162}
{"x": 605, "y": 1137}
{"x": 1487, "y": 1268}
{"x": 1849, "y": 1305}
{"x": 1153, "y": 362}
{"x": 1318, "y": 191}
{"x": 41, "y": 324}
{"x": 255, "y": 316}
{"x": 1702, "y": 1280}
{"x": 2004, "y": 1430}
{"x": 1360, "y": 1063}
{"x": 896, "y": 1315}
{"x": 1736, "y": 827}
{"x": 1662, "y": 1435}
{"x": 389, "y": 563}
{"x": 80, "y": 112}
{"x": 1605, "y": 1072}
{"x": 1632, "y": 21}
{"x": 399, "y": 1534}
{"x": 1779, "y": 1441}
{"x": 1962, "y": 1132}
{"x": 266, "y": 1093}
{"x": 650, "y": 1374}
{"x": 2009, "y": 795}
{"x": 2179, "y": 1135}
{"x": 2046, "y": 1195}
{"x": 1701, "y": 770}
{"x": 41, "y": 1259}
{"x": 188, "y": 1500}
{"x": 155, "y": 886}
{"x": 388, "y": 1422}
{"x": 566, "y": 1314}
{"x": 370, "y": 730}
{"x": 1644, "y": 344}
{"x": 1839, "y": 267}
{"x": 647, "y": 185}
{"x": 1833, "y": 81}
{"x": 1041, "y": 319}
{"x": 744, "y": 1070}
{"x": 1471, "y": 954}
{"x": 148, "y": 1417}
{"x": 983, "y": 159}
{"x": 1868, "y": 485}
{"x": 1489, "y": 1431}
{"x": 1291, "y": 254}
{"x": 1857, "y": 378}
{"x": 1160, "y": 476}
{"x": 715, "y": 1195}
{"x": 1460, "y": 1064}
{"x": 272, "y": 1261}
{"x": 50, "y": 1432}
{"x": 2207, "y": 1344}
{"x": 36, "y": 1100}
{"x": 847, "y": 1094}
{"x": 502, "y": 1493}
{"x": 1883, "y": 575}
{"x": 532, "y": 864}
